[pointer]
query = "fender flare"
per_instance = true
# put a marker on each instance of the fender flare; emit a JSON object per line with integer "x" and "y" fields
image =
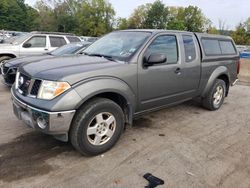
{"x": 100, "y": 85}
{"x": 221, "y": 70}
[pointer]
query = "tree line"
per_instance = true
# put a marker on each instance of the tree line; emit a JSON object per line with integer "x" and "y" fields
{"x": 97, "y": 17}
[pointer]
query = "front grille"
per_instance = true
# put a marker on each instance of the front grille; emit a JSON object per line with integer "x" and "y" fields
{"x": 35, "y": 87}
{"x": 27, "y": 86}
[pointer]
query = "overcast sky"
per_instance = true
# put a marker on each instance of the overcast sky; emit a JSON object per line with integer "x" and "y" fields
{"x": 229, "y": 11}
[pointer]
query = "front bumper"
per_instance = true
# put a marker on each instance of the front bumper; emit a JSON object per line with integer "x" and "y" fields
{"x": 53, "y": 123}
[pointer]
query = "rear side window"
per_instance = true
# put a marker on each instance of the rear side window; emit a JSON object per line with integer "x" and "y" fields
{"x": 57, "y": 41}
{"x": 189, "y": 47}
{"x": 73, "y": 39}
{"x": 227, "y": 47}
{"x": 167, "y": 45}
{"x": 211, "y": 46}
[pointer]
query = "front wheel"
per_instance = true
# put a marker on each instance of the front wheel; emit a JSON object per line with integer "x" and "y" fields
{"x": 215, "y": 96}
{"x": 97, "y": 126}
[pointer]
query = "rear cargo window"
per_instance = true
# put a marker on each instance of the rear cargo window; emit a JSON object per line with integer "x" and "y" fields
{"x": 189, "y": 47}
{"x": 227, "y": 47}
{"x": 211, "y": 46}
{"x": 218, "y": 47}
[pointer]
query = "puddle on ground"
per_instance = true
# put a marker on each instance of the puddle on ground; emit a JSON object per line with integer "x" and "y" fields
{"x": 26, "y": 156}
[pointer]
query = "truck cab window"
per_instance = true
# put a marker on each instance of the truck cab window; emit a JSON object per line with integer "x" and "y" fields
{"x": 189, "y": 47}
{"x": 166, "y": 44}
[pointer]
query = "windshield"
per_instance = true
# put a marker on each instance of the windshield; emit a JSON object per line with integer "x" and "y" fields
{"x": 20, "y": 39}
{"x": 67, "y": 49}
{"x": 118, "y": 45}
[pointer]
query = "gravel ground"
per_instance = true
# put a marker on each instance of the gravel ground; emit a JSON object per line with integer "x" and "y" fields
{"x": 245, "y": 72}
{"x": 186, "y": 146}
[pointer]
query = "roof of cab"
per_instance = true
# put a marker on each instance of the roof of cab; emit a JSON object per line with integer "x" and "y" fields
{"x": 155, "y": 31}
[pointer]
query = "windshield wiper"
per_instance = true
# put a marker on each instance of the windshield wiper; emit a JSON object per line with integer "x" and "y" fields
{"x": 100, "y": 55}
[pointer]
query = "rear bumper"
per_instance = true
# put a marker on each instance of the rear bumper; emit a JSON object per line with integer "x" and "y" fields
{"x": 53, "y": 123}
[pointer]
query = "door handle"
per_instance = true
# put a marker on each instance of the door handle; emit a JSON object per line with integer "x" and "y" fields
{"x": 177, "y": 70}
{"x": 46, "y": 49}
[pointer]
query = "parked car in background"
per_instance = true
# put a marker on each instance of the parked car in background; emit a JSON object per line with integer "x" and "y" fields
{"x": 245, "y": 53}
{"x": 14, "y": 36}
{"x": 241, "y": 48}
{"x": 35, "y": 43}
{"x": 89, "y": 39}
{"x": 6, "y": 36}
{"x": 9, "y": 68}
{"x": 3, "y": 36}
{"x": 90, "y": 99}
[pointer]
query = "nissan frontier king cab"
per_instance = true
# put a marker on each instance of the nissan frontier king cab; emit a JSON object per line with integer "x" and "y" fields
{"x": 89, "y": 99}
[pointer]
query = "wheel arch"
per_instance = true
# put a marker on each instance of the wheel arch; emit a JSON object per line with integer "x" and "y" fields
{"x": 225, "y": 78}
{"x": 8, "y": 54}
{"x": 113, "y": 89}
{"x": 219, "y": 73}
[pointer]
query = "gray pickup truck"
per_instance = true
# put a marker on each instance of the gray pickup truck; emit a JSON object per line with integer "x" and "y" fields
{"x": 90, "y": 99}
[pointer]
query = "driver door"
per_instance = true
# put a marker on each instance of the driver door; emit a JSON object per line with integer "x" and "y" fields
{"x": 36, "y": 45}
{"x": 161, "y": 84}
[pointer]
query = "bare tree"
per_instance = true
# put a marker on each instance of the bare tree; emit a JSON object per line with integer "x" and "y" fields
{"x": 223, "y": 28}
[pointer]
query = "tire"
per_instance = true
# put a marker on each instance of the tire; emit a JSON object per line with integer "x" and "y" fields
{"x": 2, "y": 59}
{"x": 90, "y": 123}
{"x": 215, "y": 97}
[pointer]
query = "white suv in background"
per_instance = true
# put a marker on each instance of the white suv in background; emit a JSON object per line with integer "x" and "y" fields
{"x": 35, "y": 43}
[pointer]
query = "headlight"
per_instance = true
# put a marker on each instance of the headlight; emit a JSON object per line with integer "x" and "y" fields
{"x": 16, "y": 80}
{"x": 50, "y": 89}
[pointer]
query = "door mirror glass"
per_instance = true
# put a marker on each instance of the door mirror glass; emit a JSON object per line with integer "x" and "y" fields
{"x": 155, "y": 59}
{"x": 27, "y": 45}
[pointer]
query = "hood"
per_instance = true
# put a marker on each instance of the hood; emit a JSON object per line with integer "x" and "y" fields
{"x": 7, "y": 46}
{"x": 66, "y": 67}
{"x": 18, "y": 61}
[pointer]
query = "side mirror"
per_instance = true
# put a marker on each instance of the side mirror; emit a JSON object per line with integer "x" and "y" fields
{"x": 27, "y": 45}
{"x": 155, "y": 59}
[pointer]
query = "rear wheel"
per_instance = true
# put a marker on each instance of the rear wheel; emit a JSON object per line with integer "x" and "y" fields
{"x": 97, "y": 126}
{"x": 215, "y": 96}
